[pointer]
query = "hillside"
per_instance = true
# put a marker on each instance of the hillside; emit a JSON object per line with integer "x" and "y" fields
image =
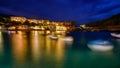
{"x": 112, "y": 21}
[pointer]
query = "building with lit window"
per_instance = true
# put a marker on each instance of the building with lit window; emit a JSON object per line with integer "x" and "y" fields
{"x": 33, "y": 20}
{"x": 18, "y": 19}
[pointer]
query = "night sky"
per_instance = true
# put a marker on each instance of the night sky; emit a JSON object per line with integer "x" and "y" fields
{"x": 81, "y": 11}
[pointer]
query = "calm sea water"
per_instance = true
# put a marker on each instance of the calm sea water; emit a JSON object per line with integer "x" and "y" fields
{"x": 35, "y": 50}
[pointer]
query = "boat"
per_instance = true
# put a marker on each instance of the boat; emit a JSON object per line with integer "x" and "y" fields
{"x": 100, "y": 45}
{"x": 53, "y": 37}
{"x": 68, "y": 39}
{"x": 115, "y": 35}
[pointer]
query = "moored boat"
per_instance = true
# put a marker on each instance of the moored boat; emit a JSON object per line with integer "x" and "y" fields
{"x": 53, "y": 37}
{"x": 100, "y": 45}
{"x": 115, "y": 35}
{"x": 68, "y": 39}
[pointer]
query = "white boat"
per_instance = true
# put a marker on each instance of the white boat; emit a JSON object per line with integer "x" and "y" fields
{"x": 115, "y": 35}
{"x": 100, "y": 45}
{"x": 68, "y": 39}
{"x": 52, "y": 37}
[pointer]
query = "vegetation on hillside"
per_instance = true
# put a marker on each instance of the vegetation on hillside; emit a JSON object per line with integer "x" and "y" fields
{"x": 112, "y": 21}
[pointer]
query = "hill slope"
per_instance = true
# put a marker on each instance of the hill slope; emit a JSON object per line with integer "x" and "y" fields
{"x": 112, "y": 21}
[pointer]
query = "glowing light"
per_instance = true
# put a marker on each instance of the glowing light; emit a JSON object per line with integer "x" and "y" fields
{"x": 58, "y": 32}
{"x": 47, "y": 32}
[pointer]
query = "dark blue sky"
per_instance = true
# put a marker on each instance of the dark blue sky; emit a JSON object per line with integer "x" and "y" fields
{"x": 81, "y": 11}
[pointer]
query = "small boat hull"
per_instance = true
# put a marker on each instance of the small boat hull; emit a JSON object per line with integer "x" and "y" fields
{"x": 100, "y": 48}
{"x": 53, "y": 37}
{"x": 67, "y": 39}
{"x": 100, "y": 45}
{"x": 115, "y": 35}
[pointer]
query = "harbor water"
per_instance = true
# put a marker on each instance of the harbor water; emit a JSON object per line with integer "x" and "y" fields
{"x": 34, "y": 49}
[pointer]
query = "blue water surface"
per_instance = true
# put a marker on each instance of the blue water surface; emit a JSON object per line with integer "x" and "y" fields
{"x": 33, "y": 50}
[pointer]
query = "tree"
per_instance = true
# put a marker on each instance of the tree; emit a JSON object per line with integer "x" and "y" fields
{"x": 73, "y": 23}
{"x": 26, "y": 23}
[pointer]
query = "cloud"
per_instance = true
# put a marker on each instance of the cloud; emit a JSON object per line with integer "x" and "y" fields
{"x": 82, "y": 11}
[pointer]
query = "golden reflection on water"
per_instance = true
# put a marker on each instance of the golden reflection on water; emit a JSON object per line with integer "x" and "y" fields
{"x": 35, "y": 45}
{"x": 60, "y": 50}
{"x": 48, "y": 45}
{"x": 38, "y": 44}
{"x": 19, "y": 45}
{"x": 1, "y": 44}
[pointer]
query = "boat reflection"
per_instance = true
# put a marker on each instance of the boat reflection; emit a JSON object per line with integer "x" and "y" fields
{"x": 109, "y": 55}
{"x": 60, "y": 46}
{"x": 116, "y": 42}
{"x": 100, "y": 45}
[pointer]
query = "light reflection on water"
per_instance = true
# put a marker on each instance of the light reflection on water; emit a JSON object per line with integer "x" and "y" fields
{"x": 1, "y": 44}
{"x": 35, "y": 50}
{"x": 19, "y": 46}
{"x": 35, "y": 45}
{"x": 39, "y": 45}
